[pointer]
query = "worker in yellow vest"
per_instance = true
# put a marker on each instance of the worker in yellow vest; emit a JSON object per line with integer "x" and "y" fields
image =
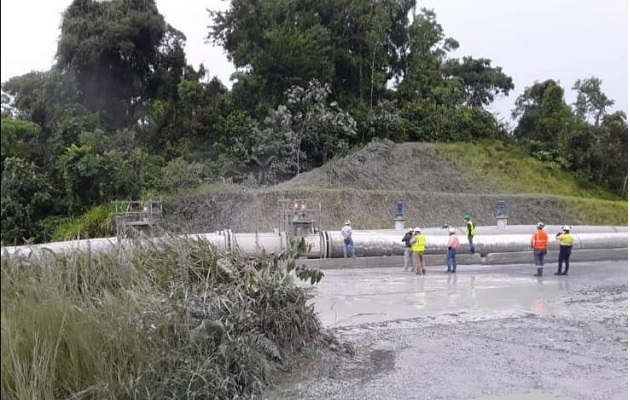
{"x": 417, "y": 248}
{"x": 470, "y": 232}
{"x": 565, "y": 239}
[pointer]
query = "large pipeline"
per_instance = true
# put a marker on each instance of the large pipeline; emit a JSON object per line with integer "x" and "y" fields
{"x": 488, "y": 239}
{"x": 368, "y": 243}
{"x": 258, "y": 243}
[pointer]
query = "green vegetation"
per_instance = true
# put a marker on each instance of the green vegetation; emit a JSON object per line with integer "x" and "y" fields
{"x": 99, "y": 221}
{"x": 508, "y": 169}
{"x": 180, "y": 321}
{"x": 598, "y": 212}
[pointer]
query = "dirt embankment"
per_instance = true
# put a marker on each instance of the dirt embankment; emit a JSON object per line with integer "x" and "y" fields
{"x": 364, "y": 187}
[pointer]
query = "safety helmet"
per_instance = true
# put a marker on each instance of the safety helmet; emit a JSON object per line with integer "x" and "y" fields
{"x": 416, "y": 229}
{"x": 540, "y": 225}
{"x": 348, "y": 222}
{"x": 566, "y": 228}
{"x": 466, "y": 216}
{"x": 451, "y": 230}
{"x": 410, "y": 229}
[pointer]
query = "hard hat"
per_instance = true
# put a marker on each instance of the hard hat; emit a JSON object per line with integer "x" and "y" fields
{"x": 348, "y": 222}
{"x": 416, "y": 229}
{"x": 540, "y": 225}
{"x": 451, "y": 230}
{"x": 410, "y": 229}
{"x": 466, "y": 216}
{"x": 566, "y": 228}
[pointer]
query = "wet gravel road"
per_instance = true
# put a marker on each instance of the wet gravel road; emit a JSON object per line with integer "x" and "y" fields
{"x": 490, "y": 333}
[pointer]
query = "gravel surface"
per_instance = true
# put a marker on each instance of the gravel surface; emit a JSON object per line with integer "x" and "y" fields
{"x": 575, "y": 349}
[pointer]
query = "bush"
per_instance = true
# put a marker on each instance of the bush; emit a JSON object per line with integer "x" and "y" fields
{"x": 180, "y": 321}
{"x": 180, "y": 175}
{"x": 99, "y": 221}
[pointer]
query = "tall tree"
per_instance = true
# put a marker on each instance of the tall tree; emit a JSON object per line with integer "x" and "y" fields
{"x": 356, "y": 45}
{"x": 546, "y": 122}
{"x": 591, "y": 102}
{"x": 427, "y": 51}
{"x": 313, "y": 128}
{"x": 480, "y": 82}
{"x": 122, "y": 53}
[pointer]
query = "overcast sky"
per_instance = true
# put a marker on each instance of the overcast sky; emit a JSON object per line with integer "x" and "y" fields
{"x": 531, "y": 39}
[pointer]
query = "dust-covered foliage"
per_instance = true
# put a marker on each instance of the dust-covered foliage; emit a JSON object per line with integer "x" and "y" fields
{"x": 181, "y": 320}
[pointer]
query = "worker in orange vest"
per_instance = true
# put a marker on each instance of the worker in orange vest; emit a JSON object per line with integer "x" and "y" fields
{"x": 539, "y": 244}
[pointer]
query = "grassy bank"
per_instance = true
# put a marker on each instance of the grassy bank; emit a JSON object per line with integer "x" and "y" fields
{"x": 598, "y": 211}
{"x": 182, "y": 321}
{"x": 508, "y": 170}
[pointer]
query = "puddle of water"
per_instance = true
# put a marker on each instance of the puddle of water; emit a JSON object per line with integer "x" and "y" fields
{"x": 348, "y": 297}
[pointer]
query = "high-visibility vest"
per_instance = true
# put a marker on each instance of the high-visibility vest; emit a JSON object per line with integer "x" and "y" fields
{"x": 418, "y": 245}
{"x": 539, "y": 240}
{"x": 565, "y": 239}
{"x": 470, "y": 228}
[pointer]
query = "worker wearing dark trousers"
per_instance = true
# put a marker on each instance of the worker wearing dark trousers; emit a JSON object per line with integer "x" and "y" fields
{"x": 470, "y": 232}
{"x": 565, "y": 239}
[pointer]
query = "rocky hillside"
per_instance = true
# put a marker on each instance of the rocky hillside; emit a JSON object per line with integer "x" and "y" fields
{"x": 438, "y": 183}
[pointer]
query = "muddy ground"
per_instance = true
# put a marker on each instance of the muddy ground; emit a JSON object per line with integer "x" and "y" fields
{"x": 497, "y": 333}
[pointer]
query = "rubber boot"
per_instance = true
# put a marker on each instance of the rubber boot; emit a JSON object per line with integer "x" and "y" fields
{"x": 539, "y": 271}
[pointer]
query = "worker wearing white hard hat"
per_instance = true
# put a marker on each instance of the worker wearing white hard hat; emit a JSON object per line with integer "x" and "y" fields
{"x": 539, "y": 242}
{"x": 417, "y": 248}
{"x": 565, "y": 240}
{"x": 451, "y": 251}
{"x": 348, "y": 242}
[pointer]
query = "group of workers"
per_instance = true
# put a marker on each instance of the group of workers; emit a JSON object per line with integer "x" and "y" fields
{"x": 414, "y": 248}
{"x": 414, "y": 241}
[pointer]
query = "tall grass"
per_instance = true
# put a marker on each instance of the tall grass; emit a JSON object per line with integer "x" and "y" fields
{"x": 182, "y": 321}
{"x": 99, "y": 221}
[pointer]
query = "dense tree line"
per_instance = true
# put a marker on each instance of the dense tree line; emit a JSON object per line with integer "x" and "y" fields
{"x": 122, "y": 115}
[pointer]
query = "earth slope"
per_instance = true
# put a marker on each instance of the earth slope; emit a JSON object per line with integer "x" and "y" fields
{"x": 436, "y": 185}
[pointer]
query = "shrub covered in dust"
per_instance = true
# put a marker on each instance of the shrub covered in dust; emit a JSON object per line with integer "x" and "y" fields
{"x": 180, "y": 321}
